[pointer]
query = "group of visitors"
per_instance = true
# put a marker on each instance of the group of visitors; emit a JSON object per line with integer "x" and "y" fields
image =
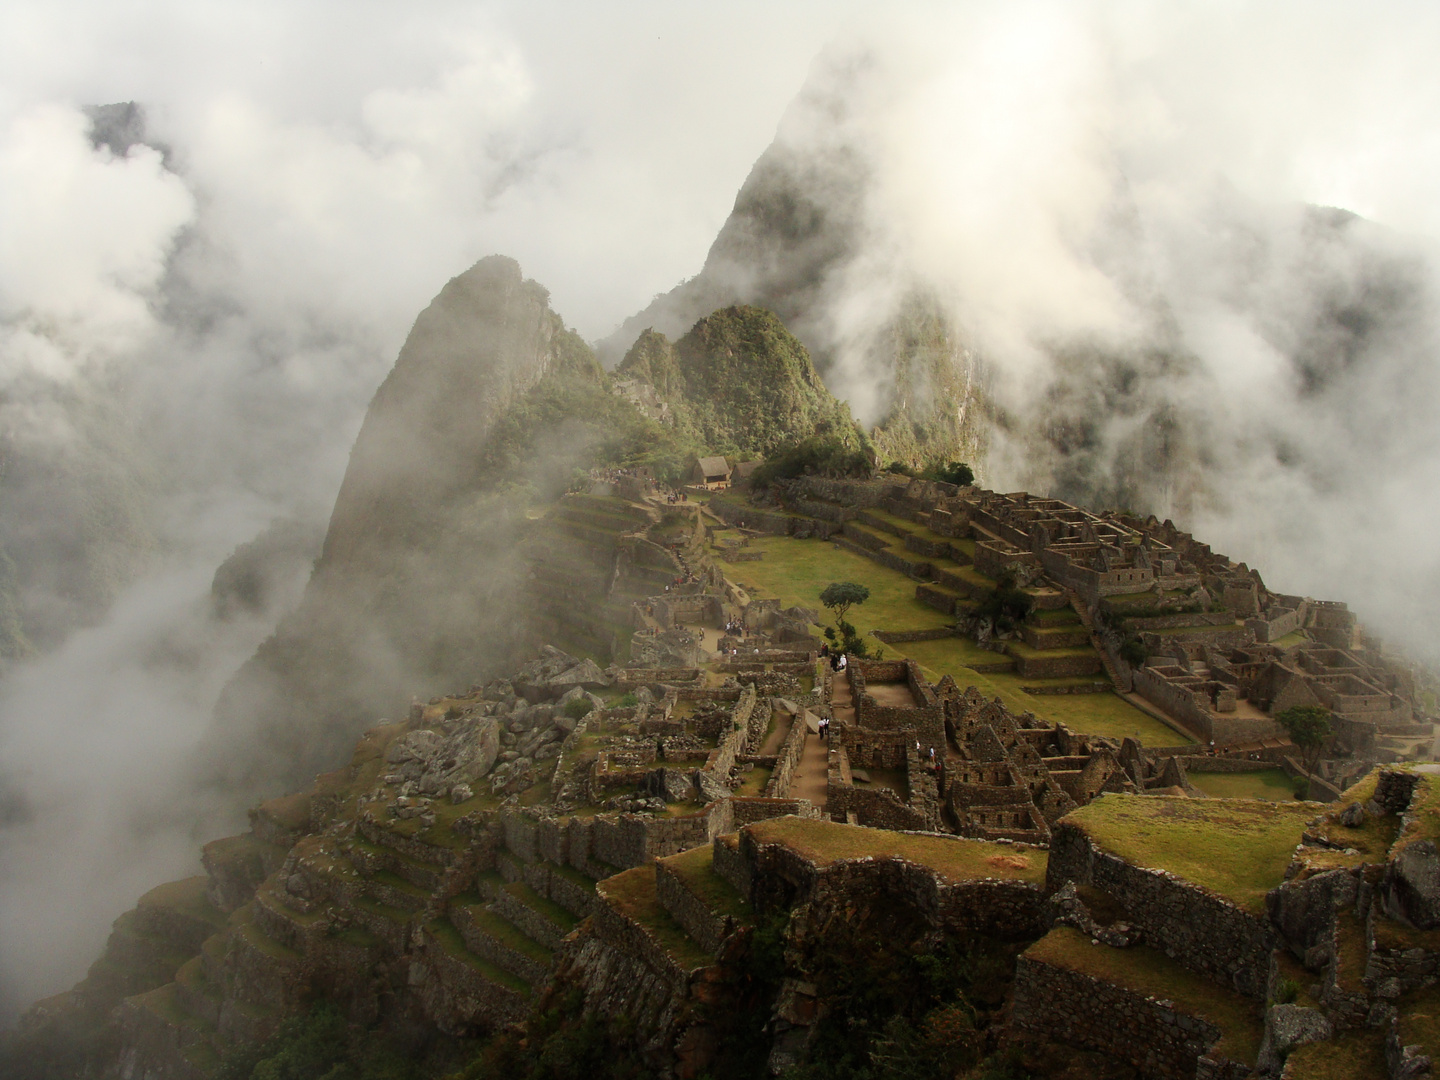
{"x": 835, "y": 656}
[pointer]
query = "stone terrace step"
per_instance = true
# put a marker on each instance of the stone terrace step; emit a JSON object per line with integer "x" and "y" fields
{"x": 272, "y": 969}
{"x": 370, "y": 858}
{"x": 540, "y": 919}
{"x": 393, "y": 890}
{"x": 488, "y": 934}
{"x": 390, "y": 924}
{"x": 444, "y": 935}
{"x": 197, "y": 993}
{"x": 564, "y": 885}
{"x": 705, "y": 905}
{"x": 279, "y": 921}
{"x": 169, "y": 1023}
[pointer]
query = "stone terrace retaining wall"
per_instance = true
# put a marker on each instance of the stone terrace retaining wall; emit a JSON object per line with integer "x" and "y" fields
{"x": 780, "y": 877}
{"x": 707, "y": 928}
{"x": 1152, "y": 1035}
{"x": 1206, "y": 933}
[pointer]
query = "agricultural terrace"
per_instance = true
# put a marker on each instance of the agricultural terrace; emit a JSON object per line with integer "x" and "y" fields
{"x": 795, "y": 571}
{"x": 1236, "y": 848}
{"x": 956, "y": 859}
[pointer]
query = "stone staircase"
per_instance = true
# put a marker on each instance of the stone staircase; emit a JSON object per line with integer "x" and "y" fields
{"x": 1077, "y": 604}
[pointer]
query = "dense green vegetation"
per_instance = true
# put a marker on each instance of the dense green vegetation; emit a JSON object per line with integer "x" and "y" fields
{"x": 1308, "y": 727}
{"x": 321, "y": 1045}
{"x": 830, "y": 454}
{"x": 738, "y": 382}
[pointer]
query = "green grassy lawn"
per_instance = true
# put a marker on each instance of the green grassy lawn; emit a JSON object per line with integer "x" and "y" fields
{"x": 1150, "y": 972}
{"x": 826, "y": 842}
{"x": 951, "y": 654}
{"x": 1272, "y": 784}
{"x": 797, "y": 571}
{"x": 754, "y": 781}
{"x": 1236, "y": 848}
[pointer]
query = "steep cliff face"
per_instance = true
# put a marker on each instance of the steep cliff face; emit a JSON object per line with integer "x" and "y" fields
{"x": 416, "y": 582}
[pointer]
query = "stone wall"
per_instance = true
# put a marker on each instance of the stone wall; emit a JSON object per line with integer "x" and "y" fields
{"x": 878, "y": 808}
{"x": 1063, "y": 666}
{"x": 780, "y": 878}
{"x": 1152, "y": 1035}
{"x": 791, "y": 751}
{"x": 1206, "y": 933}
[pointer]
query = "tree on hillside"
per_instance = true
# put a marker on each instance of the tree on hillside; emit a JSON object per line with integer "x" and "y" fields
{"x": 1006, "y": 605}
{"x": 1308, "y": 727}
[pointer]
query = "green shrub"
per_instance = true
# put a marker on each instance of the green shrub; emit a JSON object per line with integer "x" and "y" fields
{"x": 579, "y": 707}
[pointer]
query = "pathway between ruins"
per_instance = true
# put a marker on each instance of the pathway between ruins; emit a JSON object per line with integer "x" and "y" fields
{"x": 812, "y": 776}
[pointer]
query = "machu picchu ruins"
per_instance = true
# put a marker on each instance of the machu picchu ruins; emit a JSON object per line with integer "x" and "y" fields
{"x": 620, "y": 826}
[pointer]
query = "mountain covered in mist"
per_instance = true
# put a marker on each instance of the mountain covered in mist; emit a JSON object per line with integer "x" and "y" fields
{"x": 493, "y": 408}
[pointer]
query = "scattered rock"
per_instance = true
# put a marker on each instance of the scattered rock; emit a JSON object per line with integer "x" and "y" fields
{"x": 461, "y": 793}
{"x": 1353, "y": 816}
{"x": 1286, "y": 1027}
{"x": 711, "y": 789}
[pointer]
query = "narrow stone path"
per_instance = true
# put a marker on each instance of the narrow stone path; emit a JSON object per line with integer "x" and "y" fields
{"x": 812, "y": 775}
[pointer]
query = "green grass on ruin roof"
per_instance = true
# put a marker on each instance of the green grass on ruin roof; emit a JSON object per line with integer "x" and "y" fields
{"x": 1272, "y": 784}
{"x": 1150, "y": 972}
{"x": 1236, "y": 848}
{"x": 955, "y": 860}
{"x": 1353, "y": 1055}
{"x": 695, "y": 868}
{"x": 632, "y": 893}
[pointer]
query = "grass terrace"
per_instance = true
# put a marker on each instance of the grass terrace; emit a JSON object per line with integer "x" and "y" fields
{"x": 1105, "y": 713}
{"x": 1274, "y": 785}
{"x": 632, "y": 894}
{"x": 956, "y": 860}
{"x": 1236, "y": 848}
{"x": 695, "y": 869}
{"x": 448, "y": 938}
{"x": 1353, "y": 1055}
{"x": 1148, "y": 971}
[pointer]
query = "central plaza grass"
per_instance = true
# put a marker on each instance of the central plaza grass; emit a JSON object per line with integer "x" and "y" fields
{"x": 1237, "y": 848}
{"x": 1272, "y": 784}
{"x": 796, "y": 571}
{"x": 957, "y": 859}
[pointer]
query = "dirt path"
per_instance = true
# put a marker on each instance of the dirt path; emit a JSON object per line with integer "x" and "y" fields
{"x": 812, "y": 775}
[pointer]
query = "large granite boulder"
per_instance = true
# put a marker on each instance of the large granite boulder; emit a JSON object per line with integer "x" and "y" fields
{"x": 438, "y": 762}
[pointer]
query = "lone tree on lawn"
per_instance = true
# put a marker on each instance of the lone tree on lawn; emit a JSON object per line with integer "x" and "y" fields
{"x": 841, "y": 596}
{"x": 1308, "y": 727}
